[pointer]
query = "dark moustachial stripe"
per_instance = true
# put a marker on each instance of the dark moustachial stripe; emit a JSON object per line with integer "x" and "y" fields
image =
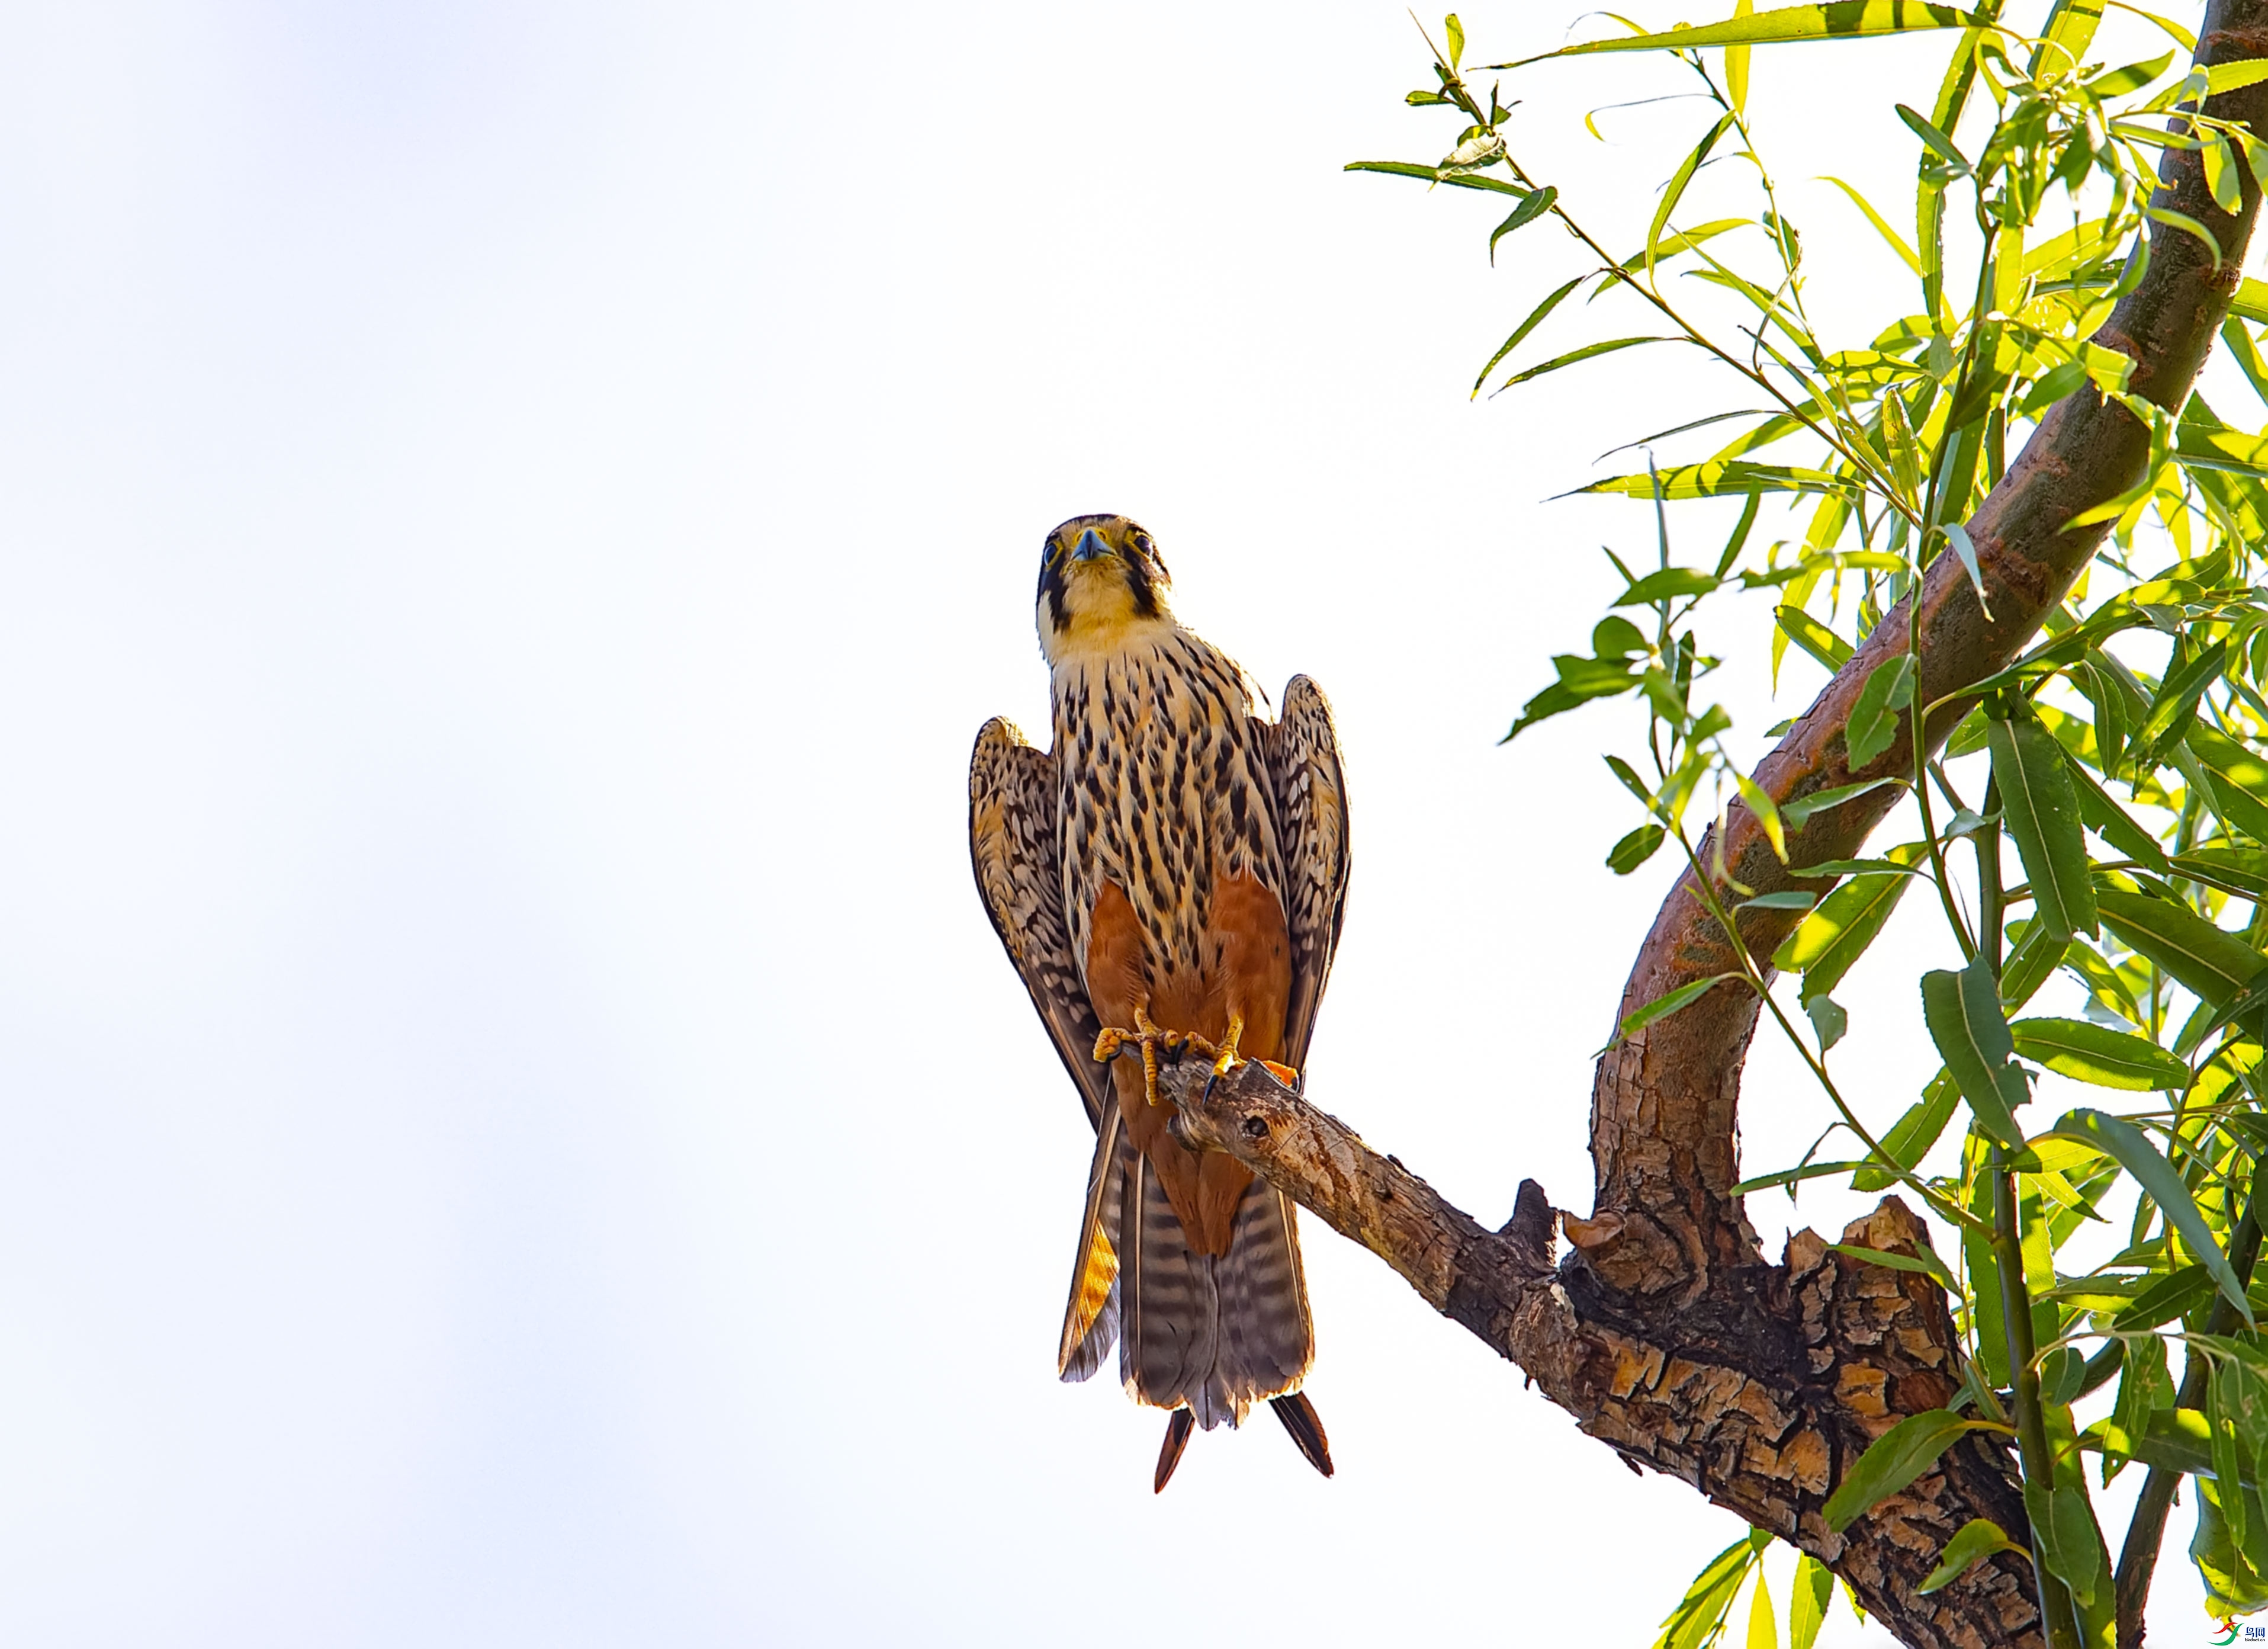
{"x": 1146, "y": 593}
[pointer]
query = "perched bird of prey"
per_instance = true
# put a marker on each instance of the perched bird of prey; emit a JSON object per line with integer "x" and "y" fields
{"x": 1169, "y": 879}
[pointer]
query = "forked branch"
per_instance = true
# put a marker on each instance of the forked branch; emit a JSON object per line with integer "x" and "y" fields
{"x": 1666, "y": 1332}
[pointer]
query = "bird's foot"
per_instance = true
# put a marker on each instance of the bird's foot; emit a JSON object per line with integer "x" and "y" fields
{"x": 1152, "y": 1041}
{"x": 1225, "y": 1058}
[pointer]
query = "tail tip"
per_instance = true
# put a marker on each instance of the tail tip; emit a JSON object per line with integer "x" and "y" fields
{"x": 1306, "y": 1426}
{"x": 1178, "y": 1426}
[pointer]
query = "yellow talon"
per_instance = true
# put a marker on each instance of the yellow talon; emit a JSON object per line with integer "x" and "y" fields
{"x": 1150, "y": 1039}
{"x": 1227, "y": 1059}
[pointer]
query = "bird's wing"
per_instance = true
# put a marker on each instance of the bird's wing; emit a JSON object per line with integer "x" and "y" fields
{"x": 1012, "y": 844}
{"x": 1311, "y": 820}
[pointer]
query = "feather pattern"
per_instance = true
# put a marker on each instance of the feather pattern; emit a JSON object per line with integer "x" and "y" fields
{"x": 1193, "y": 847}
{"x": 1310, "y": 792}
{"x": 1012, "y": 845}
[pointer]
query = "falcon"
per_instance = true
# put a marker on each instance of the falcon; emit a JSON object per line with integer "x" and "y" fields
{"x": 1170, "y": 879}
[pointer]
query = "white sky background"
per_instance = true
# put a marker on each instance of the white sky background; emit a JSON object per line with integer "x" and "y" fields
{"x": 517, "y": 1130}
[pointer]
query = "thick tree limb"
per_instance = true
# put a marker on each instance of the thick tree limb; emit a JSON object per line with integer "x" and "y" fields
{"x": 1666, "y": 1333}
{"x": 1760, "y": 1393}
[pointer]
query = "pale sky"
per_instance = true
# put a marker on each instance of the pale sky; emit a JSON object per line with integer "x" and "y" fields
{"x": 517, "y": 1129}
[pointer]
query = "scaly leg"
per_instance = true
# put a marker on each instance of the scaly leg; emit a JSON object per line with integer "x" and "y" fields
{"x": 1226, "y": 1061}
{"x": 1150, "y": 1039}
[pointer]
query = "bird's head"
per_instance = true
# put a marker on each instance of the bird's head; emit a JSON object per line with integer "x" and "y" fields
{"x": 1101, "y": 580}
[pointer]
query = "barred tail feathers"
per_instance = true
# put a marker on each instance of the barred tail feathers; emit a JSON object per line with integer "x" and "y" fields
{"x": 1269, "y": 1338}
{"x": 1215, "y": 1334}
{"x": 1169, "y": 1306}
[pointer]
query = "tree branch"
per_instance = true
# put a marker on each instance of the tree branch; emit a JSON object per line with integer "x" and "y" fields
{"x": 1760, "y": 1395}
{"x": 1666, "y": 1333}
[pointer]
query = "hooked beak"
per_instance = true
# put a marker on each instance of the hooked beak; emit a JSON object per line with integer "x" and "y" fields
{"x": 1090, "y": 547}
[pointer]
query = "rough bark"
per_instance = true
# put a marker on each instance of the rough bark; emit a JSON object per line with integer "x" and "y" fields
{"x": 1666, "y": 1332}
{"x": 1760, "y": 1393}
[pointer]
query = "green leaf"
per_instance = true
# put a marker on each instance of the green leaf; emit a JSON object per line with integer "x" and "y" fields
{"x": 1583, "y": 354}
{"x": 2042, "y": 809}
{"x": 1829, "y": 1022}
{"x": 1965, "y": 547}
{"x": 1910, "y": 1138}
{"x": 1634, "y": 849}
{"x": 2090, "y": 1053}
{"x": 2064, "y": 42}
{"x": 1736, "y": 62}
{"x": 1873, "y": 721}
{"x": 1812, "y": 636}
{"x": 1683, "y": 176}
{"x": 1893, "y": 1460}
{"x": 2072, "y": 1548}
{"x": 1897, "y": 241}
{"x": 2230, "y": 76}
{"x": 1794, "y": 1176}
{"x": 1962, "y": 1011}
{"x": 2107, "y": 819}
{"x": 1668, "y": 584}
{"x": 2173, "y": 1295}
{"x": 2177, "y": 701}
{"x": 2220, "y": 174}
{"x": 2030, "y": 965}
{"x": 1765, "y": 811}
{"x": 2212, "y": 965}
{"x": 1535, "y": 318}
{"x": 1686, "y": 241}
{"x": 1700, "y": 1616}
{"x": 1976, "y": 1538}
{"x": 2242, "y": 871}
{"x": 1807, "y": 1610}
{"x": 1616, "y": 638}
{"x": 2162, "y": 1183}
{"x": 1840, "y": 19}
{"x": 1723, "y": 477}
{"x": 1455, "y": 30}
{"x": 1798, "y": 812}
{"x": 2108, "y": 698}
{"x": 1527, "y": 212}
{"x": 2239, "y": 780}
{"x": 1662, "y": 1006}
{"x": 2227, "y": 1466}
{"x": 2189, "y": 226}
{"x": 1837, "y": 934}
{"x": 2251, "y": 301}
{"x": 1936, "y": 139}
{"x": 1764, "y": 1625}
{"x": 1790, "y": 900}
{"x": 2061, "y": 1370}
{"x": 1435, "y": 175}
{"x": 2119, "y": 82}
{"x": 1926, "y": 1264}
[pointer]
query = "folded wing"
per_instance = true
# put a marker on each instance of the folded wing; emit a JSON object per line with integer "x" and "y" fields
{"x": 1013, "y": 847}
{"x": 1311, "y": 824}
